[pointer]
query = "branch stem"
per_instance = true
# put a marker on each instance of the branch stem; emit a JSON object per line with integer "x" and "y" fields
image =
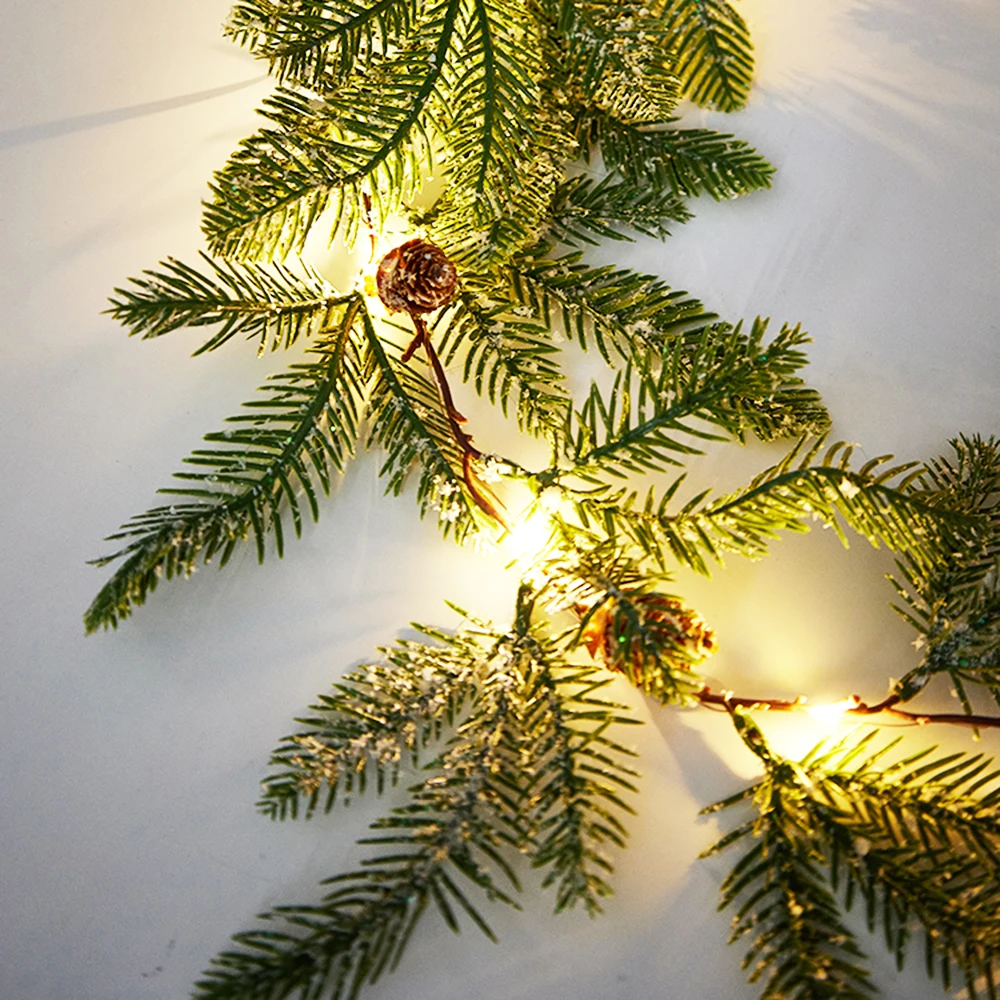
{"x": 455, "y": 419}
{"x": 888, "y": 706}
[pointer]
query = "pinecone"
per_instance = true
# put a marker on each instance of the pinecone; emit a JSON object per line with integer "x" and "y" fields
{"x": 684, "y": 639}
{"x": 416, "y": 277}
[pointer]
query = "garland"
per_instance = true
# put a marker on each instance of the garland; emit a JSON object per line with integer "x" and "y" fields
{"x": 552, "y": 126}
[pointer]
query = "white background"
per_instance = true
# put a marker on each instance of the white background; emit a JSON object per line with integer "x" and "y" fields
{"x": 130, "y": 762}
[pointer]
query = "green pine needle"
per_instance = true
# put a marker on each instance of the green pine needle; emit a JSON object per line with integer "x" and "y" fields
{"x": 249, "y": 480}
{"x": 269, "y": 304}
{"x": 918, "y": 840}
{"x": 714, "y": 52}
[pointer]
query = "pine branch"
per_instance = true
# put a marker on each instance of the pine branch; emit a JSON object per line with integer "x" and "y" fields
{"x": 689, "y": 162}
{"x": 506, "y": 143}
{"x": 954, "y": 602}
{"x": 481, "y": 238}
{"x": 587, "y": 211}
{"x": 578, "y": 795}
{"x": 800, "y": 947}
{"x": 269, "y": 304}
{"x": 497, "y": 120}
{"x": 918, "y": 839}
{"x": 573, "y": 773}
{"x": 710, "y": 387}
{"x": 328, "y": 149}
{"x": 714, "y": 55}
{"x": 456, "y": 826}
{"x": 286, "y": 444}
{"x": 610, "y": 436}
{"x": 617, "y": 56}
{"x": 627, "y": 314}
{"x": 376, "y": 721}
{"x": 306, "y": 42}
{"x": 508, "y": 357}
{"x": 880, "y": 503}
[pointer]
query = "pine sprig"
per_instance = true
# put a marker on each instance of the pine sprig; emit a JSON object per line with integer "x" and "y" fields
{"x": 576, "y": 799}
{"x": 574, "y": 775}
{"x": 307, "y": 43}
{"x": 651, "y": 419}
{"x": 688, "y": 162}
{"x": 954, "y": 602}
{"x": 497, "y": 122}
{"x": 617, "y": 55}
{"x": 879, "y": 501}
{"x": 714, "y": 54}
{"x": 918, "y": 840}
{"x": 509, "y": 358}
{"x": 610, "y": 437}
{"x": 266, "y": 303}
{"x": 627, "y": 315}
{"x": 290, "y": 441}
{"x": 587, "y": 211}
{"x": 374, "y": 723}
{"x": 800, "y": 948}
{"x": 452, "y": 833}
{"x": 330, "y": 148}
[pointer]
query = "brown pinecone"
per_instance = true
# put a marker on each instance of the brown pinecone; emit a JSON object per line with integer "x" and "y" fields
{"x": 416, "y": 277}
{"x": 680, "y": 631}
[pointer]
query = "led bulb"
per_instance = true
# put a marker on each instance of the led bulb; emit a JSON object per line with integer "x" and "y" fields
{"x": 830, "y": 715}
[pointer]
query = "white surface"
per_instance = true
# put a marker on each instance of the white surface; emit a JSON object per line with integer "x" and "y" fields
{"x": 130, "y": 761}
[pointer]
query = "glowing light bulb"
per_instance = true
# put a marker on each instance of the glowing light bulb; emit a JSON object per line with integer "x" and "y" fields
{"x": 830, "y": 715}
{"x": 528, "y": 535}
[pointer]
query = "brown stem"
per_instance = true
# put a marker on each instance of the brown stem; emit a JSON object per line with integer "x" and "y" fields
{"x": 454, "y": 416}
{"x": 366, "y": 201}
{"x": 455, "y": 419}
{"x": 887, "y": 706}
{"x": 411, "y": 347}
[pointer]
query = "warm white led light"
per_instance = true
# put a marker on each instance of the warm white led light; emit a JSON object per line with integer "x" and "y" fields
{"x": 832, "y": 714}
{"x": 528, "y": 535}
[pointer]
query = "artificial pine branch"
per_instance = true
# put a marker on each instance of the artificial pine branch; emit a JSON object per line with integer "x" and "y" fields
{"x": 688, "y": 162}
{"x": 617, "y": 54}
{"x": 289, "y": 441}
{"x": 529, "y": 766}
{"x": 309, "y": 43}
{"x": 881, "y": 504}
{"x": 328, "y": 146}
{"x": 707, "y": 379}
{"x": 269, "y": 304}
{"x": 453, "y": 830}
{"x": 627, "y": 315}
{"x": 919, "y": 840}
{"x": 954, "y": 602}
{"x": 508, "y": 357}
{"x": 586, "y": 210}
{"x": 714, "y": 52}
{"x": 377, "y": 720}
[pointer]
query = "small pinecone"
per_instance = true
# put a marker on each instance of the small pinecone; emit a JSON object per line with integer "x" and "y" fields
{"x": 680, "y": 630}
{"x": 416, "y": 277}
